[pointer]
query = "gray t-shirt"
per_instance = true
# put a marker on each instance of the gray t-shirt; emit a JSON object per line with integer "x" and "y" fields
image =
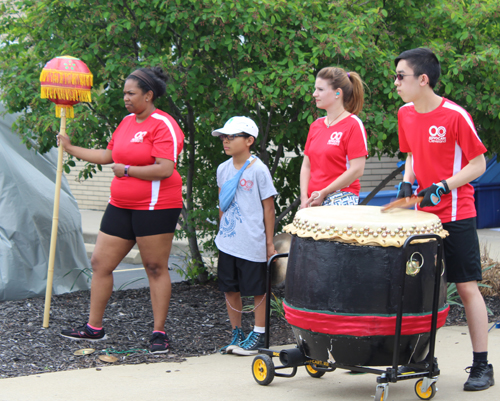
{"x": 242, "y": 232}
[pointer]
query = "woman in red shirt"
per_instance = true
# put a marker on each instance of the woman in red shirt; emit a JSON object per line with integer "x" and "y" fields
{"x": 336, "y": 147}
{"x": 145, "y": 202}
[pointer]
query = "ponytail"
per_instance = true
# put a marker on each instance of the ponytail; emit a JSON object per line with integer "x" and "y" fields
{"x": 351, "y": 85}
{"x": 354, "y": 102}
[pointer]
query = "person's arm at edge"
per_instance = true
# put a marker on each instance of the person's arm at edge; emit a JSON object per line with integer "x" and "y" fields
{"x": 409, "y": 176}
{"x": 305, "y": 176}
{"x": 475, "y": 168}
{"x": 220, "y": 210}
{"x": 96, "y": 156}
{"x": 163, "y": 168}
{"x": 269, "y": 218}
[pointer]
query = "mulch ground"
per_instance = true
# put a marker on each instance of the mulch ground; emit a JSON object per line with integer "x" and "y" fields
{"x": 197, "y": 325}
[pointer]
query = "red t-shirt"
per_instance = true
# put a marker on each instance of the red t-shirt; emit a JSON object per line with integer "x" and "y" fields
{"x": 442, "y": 142}
{"x": 138, "y": 144}
{"x": 330, "y": 149}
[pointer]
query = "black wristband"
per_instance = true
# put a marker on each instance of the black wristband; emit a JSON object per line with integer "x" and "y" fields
{"x": 446, "y": 188}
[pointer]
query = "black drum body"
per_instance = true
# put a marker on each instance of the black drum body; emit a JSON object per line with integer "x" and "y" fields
{"x": 342, "y": 299}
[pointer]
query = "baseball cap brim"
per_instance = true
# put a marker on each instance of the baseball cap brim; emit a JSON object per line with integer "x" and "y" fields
{"x": 226, "y": 131}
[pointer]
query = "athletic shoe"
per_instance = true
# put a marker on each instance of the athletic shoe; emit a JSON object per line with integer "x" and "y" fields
{"x": 251, "y": 345}
{"x": 238, "y": 338}
{"x": 159, "y": 343}
{"x": 84, "y": 333}
{"x": 480, "y": 377}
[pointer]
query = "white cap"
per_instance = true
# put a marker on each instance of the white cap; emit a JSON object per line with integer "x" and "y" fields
{"x": 238, "y": 124}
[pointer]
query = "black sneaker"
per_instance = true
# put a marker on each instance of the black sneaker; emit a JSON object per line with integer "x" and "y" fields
{"x": 84, "y": 333}
{"x": 480, "y": 377}
{"x": 159, "y": 344}
{"x": 251, "y": 345}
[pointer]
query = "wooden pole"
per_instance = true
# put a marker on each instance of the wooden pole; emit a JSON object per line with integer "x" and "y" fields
{"x": 55, "y": 223}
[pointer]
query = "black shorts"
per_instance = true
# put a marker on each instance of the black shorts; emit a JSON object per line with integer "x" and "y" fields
{"x": 130, "y": 223}
{"x": 462, "y": 255}
{"x": 239, "y": 275}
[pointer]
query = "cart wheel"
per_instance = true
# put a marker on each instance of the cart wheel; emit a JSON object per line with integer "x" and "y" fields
{"x": 425, "y": 395}
{"x": 313, "y": 372}
{"x": 382, "y": 392}
{"x": 263, "y": 369}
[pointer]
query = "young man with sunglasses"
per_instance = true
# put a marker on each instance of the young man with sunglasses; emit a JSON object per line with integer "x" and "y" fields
{"x": 445, "y": 153}
{"x": 245, "y": 238}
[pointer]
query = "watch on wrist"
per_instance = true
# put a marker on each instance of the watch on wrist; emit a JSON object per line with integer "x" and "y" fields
{"x": 125, "y": 171}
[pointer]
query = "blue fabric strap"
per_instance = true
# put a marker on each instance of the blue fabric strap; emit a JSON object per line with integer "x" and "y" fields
{"x": 228, "y": 189}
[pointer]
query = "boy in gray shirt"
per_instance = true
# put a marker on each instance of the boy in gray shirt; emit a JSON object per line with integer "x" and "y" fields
{"x": 245, "y": 238}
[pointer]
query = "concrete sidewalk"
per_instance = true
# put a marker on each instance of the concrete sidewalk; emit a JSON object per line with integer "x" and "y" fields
{"x": 229, "y": 377}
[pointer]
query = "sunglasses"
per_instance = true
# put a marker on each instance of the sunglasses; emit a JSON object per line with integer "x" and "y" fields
{"x": 231, "y": 137}
{"x": 400, "y": 77}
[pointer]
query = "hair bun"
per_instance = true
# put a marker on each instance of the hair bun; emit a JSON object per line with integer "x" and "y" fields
{"x": 158, "y": 71}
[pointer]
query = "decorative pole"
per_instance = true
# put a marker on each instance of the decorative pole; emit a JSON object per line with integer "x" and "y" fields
{"x": 65, "y": 81}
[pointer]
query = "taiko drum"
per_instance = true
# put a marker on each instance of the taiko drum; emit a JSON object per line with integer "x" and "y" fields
{"x": 343, "y": 271}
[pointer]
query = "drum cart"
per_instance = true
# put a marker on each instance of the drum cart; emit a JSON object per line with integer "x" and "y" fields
{"x": 426, "y": 373}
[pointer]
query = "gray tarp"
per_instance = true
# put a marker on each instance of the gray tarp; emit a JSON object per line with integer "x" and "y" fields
{"x": 27, "y": 185}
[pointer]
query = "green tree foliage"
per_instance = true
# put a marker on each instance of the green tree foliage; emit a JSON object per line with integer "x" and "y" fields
{"x": 256, "y": 58}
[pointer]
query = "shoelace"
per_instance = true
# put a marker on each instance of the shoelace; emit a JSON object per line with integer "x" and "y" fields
{"x": 159, "y": 338}
{"x": 236, "y": 336}
{"x": 476, "y": 371}
{"x": 251, "y": 341}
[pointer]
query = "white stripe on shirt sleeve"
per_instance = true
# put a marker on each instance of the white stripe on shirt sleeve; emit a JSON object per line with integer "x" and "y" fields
{"x": 171, "y": 129}
{"x": 464, "y": 114}
{"x": 362, "y": 127}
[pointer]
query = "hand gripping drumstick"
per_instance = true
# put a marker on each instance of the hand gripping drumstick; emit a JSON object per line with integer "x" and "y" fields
{"x": 403, "y": 203}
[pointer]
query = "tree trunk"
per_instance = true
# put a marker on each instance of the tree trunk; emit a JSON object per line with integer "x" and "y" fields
{"x": 189, "y": 227}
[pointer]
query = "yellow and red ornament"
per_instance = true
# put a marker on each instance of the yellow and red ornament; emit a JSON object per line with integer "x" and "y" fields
{"x": 66, "y": 81}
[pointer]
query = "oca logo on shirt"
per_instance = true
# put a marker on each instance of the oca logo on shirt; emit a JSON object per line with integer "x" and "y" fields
{"x": 139, "y": 137}
{"x": 246, "y": 184}
{"x": 437, "y": 134}
{"x": 335, "y": 138}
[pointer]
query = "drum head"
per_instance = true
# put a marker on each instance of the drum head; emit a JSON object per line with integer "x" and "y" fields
{"x": 363, "y": 225}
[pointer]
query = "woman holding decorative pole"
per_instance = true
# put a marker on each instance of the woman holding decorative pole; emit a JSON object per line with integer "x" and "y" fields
{"x": 336, "y": 147}
{"x": 145, "y": 202}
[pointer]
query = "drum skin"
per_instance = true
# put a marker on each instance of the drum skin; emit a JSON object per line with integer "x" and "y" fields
{"x": 353, "y": 290}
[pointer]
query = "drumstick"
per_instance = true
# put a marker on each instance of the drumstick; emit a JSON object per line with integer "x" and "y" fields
{"x": 403, "y": 203}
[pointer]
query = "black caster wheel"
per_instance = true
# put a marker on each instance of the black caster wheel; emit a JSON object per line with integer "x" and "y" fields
{"x": 263, "y": 369}
{"x": 425, "y": 395}
{"x": 313, "y": 372}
